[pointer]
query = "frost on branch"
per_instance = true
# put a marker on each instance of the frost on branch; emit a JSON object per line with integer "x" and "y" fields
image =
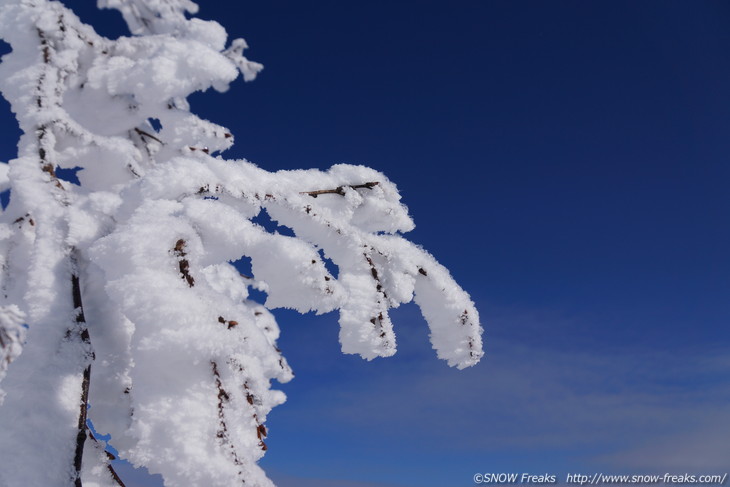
{"x": 12, "y": 335}
{"x": 136, "y": 317}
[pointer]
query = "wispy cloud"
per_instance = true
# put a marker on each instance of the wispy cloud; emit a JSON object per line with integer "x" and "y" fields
{"x": 291, "y": 481}
{"x": 621, "y": 409}
{"x": 703, "y": 450}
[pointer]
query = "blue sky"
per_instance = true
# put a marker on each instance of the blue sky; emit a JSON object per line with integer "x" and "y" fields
{"x": 568, "y": 162}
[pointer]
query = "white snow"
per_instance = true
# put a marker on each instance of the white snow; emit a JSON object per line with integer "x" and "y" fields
{"x": 180, "y": 360}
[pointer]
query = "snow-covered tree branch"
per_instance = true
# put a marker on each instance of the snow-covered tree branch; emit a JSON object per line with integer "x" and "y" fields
{"x": 121, "y": 290}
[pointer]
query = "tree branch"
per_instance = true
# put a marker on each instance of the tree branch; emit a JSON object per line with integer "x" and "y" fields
{"x": 109, "y": 467}
{"x": 48, "y": 163}
{"x": 84, "y": 335}
{"x": 340, "y": 190}
{"x": 142, "y": 133}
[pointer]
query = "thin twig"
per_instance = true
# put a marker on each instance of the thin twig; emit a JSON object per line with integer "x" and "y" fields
{"x": 340, "y": 190}
{"x": 109, "y": 467}
{"x": 147, "y": 134}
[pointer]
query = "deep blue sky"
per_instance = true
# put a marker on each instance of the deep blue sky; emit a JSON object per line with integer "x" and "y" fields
{"x": 568, "y": 161}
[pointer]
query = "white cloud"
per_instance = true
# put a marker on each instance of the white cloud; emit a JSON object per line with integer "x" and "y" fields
{"x": 596, "y": 407}
{"x": 290, "y": 481}
{"x": 703, "y": 450}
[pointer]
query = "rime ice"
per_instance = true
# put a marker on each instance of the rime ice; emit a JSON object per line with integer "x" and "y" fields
{"x": 125, "y": 282}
